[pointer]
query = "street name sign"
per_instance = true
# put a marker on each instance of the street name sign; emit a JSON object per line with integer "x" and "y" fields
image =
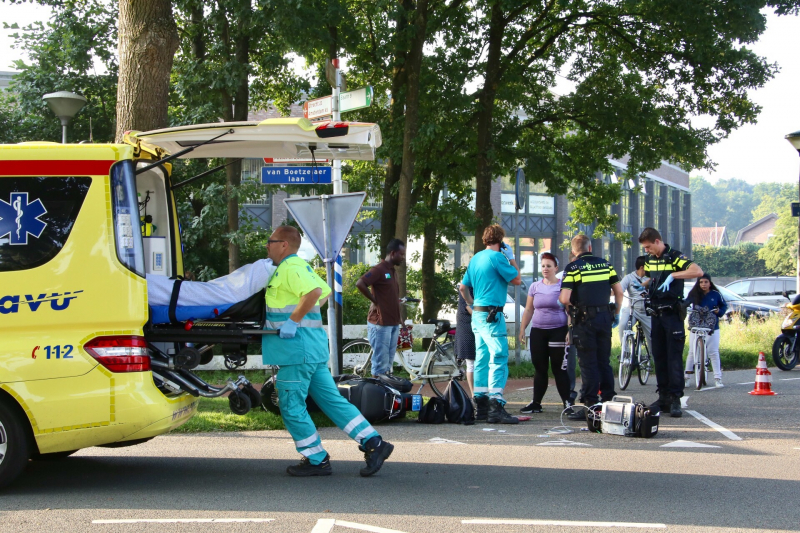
{"x": 358, "y": 99}
{"x": 296, "y": 175}
{"x": 321, "y": 107}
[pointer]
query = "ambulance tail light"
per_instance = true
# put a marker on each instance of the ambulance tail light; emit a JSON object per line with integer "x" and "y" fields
{"x": 125, "y": 353}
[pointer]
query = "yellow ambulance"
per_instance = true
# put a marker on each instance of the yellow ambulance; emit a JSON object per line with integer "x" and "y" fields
{"x": 78, "y": 366}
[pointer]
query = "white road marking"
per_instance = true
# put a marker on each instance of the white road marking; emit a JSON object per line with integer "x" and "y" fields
{"x": 747, "y": 383}
{"x": 684, "y": 401}
{"x": 439, "y": 440}
{"x": 562, "y": 442}
{"x": 364, "y": 527}
{"x": 183, "y": 521}
{"x": 526, "y": 388}
{"x": 324, "y": 525}
{"x": 687, "y": 444}
{"x": 730, "y": 434}
{"x": 488, "y": 429}
{"x": 574, "y": 523}
{"x": 789, "y": 379}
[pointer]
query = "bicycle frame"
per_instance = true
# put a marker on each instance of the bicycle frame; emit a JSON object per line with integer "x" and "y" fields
{"x": 415, "y": 372}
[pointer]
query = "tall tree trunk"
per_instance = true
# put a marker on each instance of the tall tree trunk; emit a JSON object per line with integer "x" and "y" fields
{"x": 483, "y": 174}
{"x": 431, "y": 304}
{"x": 148, "y": 40}
{"x": 413, "y": 70}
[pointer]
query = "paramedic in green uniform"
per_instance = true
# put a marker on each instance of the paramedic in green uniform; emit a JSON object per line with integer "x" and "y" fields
{"x": 294, "y": 295}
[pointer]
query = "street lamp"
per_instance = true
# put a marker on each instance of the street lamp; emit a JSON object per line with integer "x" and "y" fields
{"x": 65, "y": 105}
{"x": 794, "y": 138}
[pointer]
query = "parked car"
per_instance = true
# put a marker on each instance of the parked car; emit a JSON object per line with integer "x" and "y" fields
{"x": 739, "y": 306}
{"x": 765, "y": 290}
{"x": 508, "y": 312}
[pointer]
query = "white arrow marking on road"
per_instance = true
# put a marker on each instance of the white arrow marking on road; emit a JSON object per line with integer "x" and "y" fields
{"x": 562, "y": 442}
{"x": 439, "y": 440}
{"x": 324, "y": 525}
{"x": 574, "y": 523}
{"x": 183, "y": 521}
{"x": 730, "y": 434}
{"x": 363, "y": 527}
{"x": 687, "y": 444}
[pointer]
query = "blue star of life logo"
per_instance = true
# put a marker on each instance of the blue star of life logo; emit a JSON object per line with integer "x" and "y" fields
{"x": 19, "y": 218}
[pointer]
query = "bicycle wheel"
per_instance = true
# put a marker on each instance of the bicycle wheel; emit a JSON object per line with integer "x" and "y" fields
{"x": 625, "y": 358}
{"x": 699, "y": 362}
{"x": 357, "y": 356}
{"x": 645, "y": 361}
{"x": 442, "y": 362}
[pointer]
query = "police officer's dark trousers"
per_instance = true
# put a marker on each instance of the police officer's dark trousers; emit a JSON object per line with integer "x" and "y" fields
{"x": 594, "y": 357}
{"x": 668, "y": 339}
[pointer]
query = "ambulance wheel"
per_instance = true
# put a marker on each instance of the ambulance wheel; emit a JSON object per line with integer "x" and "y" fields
{"x": 239, "y": 402}
{"x": 15, "y": 444}
{"x": 269, "y": 397}
{"x": 255, "y": 396}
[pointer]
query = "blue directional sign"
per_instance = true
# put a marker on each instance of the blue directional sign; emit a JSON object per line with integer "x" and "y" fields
{"x": 295, "y": 175}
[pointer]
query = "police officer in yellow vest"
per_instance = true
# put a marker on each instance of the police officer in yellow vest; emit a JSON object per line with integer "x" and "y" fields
{"x": 294, "y": 295}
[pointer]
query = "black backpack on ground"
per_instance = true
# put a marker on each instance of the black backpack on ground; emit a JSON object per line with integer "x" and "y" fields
{"x": 459, "y": 405}
{"x": 433, "y": 412}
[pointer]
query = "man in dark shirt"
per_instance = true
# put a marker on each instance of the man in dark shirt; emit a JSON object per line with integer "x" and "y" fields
{"x": 667, "y": 268}
{"x": 586, "y": 285}
{"x": 383, "y": 321}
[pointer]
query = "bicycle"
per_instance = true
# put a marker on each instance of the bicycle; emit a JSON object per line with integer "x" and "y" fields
{"x": 701, "y": 321}
{"x": 439, "y": 364}
{"x": 633, "y": 342}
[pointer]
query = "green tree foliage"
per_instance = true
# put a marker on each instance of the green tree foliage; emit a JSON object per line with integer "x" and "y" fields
{"x": 354, "y": 306}
{"x": 73, "y": 51}
{"x": 743, "y": 260}
{"x": 773, "y": 198}
{"x": 780, "y": 251}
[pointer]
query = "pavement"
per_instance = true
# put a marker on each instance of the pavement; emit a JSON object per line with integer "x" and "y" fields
{"x": 732, "y": 466}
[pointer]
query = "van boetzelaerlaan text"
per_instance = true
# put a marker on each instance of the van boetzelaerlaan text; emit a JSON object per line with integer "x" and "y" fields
{"x": 300, "y": 171}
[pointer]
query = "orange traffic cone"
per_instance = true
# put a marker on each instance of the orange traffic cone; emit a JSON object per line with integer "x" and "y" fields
{"x": 763, "y": 378}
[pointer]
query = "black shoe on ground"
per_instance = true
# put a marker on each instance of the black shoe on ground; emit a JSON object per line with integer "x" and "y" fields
{"x": 663, "y": 403}
{"x": 675, "y": 408}
{"x": 305, "y": 469}
{"x": 376, "y": 451}
{"x": 532, "y": 407}
{"x": 568, "y": 410}
{"x": 580, "y": 414}
{"x": 498, "y": 414}
{"x": 481, "y": 407}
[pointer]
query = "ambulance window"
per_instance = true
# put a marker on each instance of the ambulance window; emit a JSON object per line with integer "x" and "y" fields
{"x": 36, "y": 218}
{"x": 125, "y": 204}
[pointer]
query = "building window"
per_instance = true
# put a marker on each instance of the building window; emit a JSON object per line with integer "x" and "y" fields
{"x": 539, "y": 201}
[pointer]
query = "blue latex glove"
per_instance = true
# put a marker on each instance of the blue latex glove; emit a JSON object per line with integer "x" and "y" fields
{"x": 667, "y": 282}
{"x": 507, "y": 251}
{"x": 288, "y": 329}
{"x": 616, "y": 321}
{"x": 560, "y": 304}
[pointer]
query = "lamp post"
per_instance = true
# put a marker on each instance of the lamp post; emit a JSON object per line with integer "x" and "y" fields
{"x": 65, "y": 105}
{"x": 794, "y": 138}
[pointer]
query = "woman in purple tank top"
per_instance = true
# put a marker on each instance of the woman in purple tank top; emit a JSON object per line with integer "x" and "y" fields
{"x": 548, "y": 335}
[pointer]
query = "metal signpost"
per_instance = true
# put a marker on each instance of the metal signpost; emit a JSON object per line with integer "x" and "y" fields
{"x": 521, "y": 190}
{"x": 327, "y": 234}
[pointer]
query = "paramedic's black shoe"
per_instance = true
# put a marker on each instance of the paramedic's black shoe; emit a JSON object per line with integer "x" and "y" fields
{"x": 568, "y": 410}
{"x": 376, "y": 451}
{"x": 578, "y": 415}
{"x": 305, "y": 469}
{"x": 481, "y": 408}
{"x": 498, "y": 414}
{"x": 675, "y": 408}
{"x": 532, "y": 407}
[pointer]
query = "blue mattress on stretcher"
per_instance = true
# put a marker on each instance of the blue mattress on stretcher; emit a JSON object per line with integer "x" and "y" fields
{"x": 159, "y": 314}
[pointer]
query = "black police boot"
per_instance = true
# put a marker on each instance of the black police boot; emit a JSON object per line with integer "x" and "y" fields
{"x": 568, "y": 410}
{"x": 498, "y": 414}
{"x": 675, "y": 408}
{"x": 662, "y": 404}
{"x": 481, "y": 407}
{"x": 376, "y": 451}
{"x": 533, "y": 407}
{"x": 305, "y": 469}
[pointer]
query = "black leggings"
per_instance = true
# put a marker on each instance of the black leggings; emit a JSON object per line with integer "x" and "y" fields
{"x": 548, "y": 349}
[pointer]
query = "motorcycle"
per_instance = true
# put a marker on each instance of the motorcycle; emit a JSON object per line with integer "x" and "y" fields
{"x": 786, "y": 349}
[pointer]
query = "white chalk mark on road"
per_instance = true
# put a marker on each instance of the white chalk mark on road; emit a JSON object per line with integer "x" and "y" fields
{"x": 730, "y": 434}
{"x": 439, "y": 440}
{"x": 573, "y": 523}
{"x": 183, "y": 521}
{"x": 687, "y": 444}
{"x": 562, "y": 442}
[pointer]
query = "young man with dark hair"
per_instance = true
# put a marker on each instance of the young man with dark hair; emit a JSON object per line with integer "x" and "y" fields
{"x": 667, "y": 268}
{"x": 586, "y": 285}
{"x": 488, "y": 274}
{"x": 383, "y": 321}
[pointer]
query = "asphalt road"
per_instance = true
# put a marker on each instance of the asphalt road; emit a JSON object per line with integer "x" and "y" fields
{"x": 472, "y": 473}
